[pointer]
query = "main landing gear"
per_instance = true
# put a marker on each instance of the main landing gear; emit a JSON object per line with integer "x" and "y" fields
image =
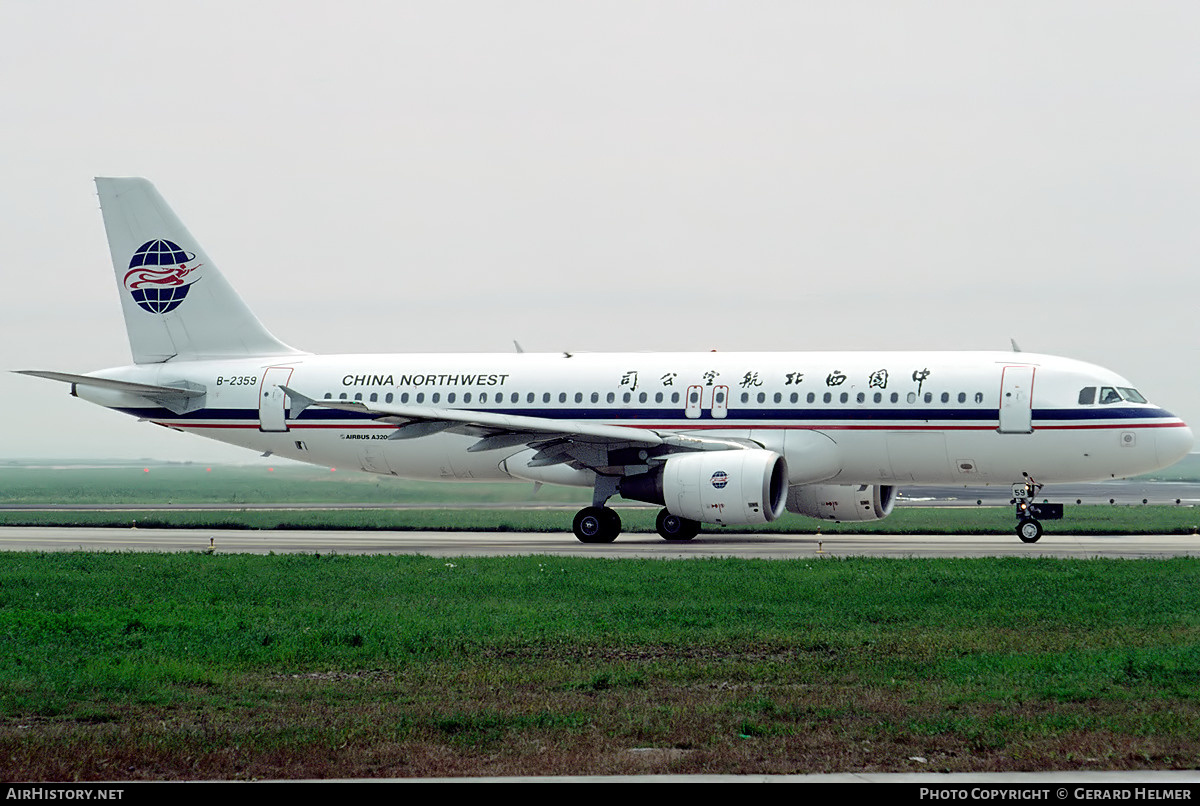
{"x": 599, "y": 524}
{"x": 1029, "y": 528}
{"x": 596, "y": 525}
{"x": 673, "y": 527}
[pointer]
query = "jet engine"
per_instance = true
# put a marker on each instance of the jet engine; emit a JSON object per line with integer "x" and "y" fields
{"x": 840, "y": 502}
{"x": 728, "y": 487}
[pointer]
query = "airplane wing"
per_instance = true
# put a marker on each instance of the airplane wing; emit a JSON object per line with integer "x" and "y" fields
{"x": 596, "y": 446}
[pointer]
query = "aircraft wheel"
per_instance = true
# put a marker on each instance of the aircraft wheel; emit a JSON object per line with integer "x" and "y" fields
{"x": 1029, "y": 530}
{"x": 673, "y": 527}
{"x": 596, "y": 525}
{"x": 612, "y": 523}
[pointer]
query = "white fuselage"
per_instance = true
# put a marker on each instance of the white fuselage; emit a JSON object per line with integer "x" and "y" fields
{"x": 893, "y": 418}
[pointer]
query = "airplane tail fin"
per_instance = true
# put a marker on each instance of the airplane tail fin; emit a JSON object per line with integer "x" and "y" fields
{"x": 177, "y": 305}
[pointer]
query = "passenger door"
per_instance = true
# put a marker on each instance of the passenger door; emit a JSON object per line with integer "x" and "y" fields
{"x": 272, "y": 401}
{"x": 1016, "y": 400}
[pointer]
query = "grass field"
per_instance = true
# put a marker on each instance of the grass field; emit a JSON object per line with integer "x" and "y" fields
{"x": 193, "y": 666}
{"x": 119, "y": 666}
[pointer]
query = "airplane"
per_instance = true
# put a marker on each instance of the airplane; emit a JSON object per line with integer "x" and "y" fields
{"x": 713, "y": 438}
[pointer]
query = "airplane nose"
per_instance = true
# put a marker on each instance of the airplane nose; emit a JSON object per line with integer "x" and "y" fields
{"x": 1172, "y": 444}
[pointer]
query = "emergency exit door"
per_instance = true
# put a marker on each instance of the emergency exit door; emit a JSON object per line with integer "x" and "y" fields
{"x": 714, "y": 399}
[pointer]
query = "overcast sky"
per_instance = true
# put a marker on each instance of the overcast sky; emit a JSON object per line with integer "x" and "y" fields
{"x": 449, "y": 176}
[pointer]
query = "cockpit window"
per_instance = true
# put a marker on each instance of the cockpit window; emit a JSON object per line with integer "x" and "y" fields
{"x": 1110, "y": 394}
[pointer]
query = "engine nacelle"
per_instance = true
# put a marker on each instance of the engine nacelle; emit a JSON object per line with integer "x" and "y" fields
{"x": 729, "y": 487}
{"x": 840, "y": 502}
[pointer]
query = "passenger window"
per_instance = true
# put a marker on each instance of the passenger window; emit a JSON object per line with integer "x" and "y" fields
{"x": 827, "y": 397}
{"x": 674, "y": 397}
{"x": 466, "y": 397}
{"x": 595, "y": 397}
{"x": 879, "y": 397}
{"x": 1087, "y": 395}
{"x": 420, "y": 397}
{"x": 658, "y": 397}
{"x": 562, "y": 397}
{"x": 625, "y": 398}
{"x": 762, "y": 397}
{"x": 436, "y": 397}
{"x": 450, "y": 397}
{"x": 962, "y": 397}
{"x": 404, "y": 397}
{"x": 388, "y": 398}
{"x": 529, "y": 398}
{"x": 579, "y": 397}
{"x": 979, "y": 397}
{"x": 515, "y": 397}
{"x": 545, "y": 397}
{"x": 778, "y": 397}
{"x": 861, "y": 398}
{"x": 812, "y": 397}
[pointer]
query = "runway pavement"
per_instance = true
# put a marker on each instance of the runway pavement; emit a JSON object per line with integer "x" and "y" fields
{"x": 485, "y": 544}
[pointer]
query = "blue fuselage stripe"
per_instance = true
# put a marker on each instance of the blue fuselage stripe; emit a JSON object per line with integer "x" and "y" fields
{"x": 807, "y": 416}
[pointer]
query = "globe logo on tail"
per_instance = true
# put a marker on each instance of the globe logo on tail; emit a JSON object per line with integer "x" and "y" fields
{"x": 158, "y": 276}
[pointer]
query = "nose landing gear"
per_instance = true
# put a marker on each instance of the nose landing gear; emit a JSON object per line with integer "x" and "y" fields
{"x": 1030, "y": 514}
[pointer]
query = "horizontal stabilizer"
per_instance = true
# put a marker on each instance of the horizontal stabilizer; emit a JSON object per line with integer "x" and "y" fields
{"x": 178, "y": 399}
